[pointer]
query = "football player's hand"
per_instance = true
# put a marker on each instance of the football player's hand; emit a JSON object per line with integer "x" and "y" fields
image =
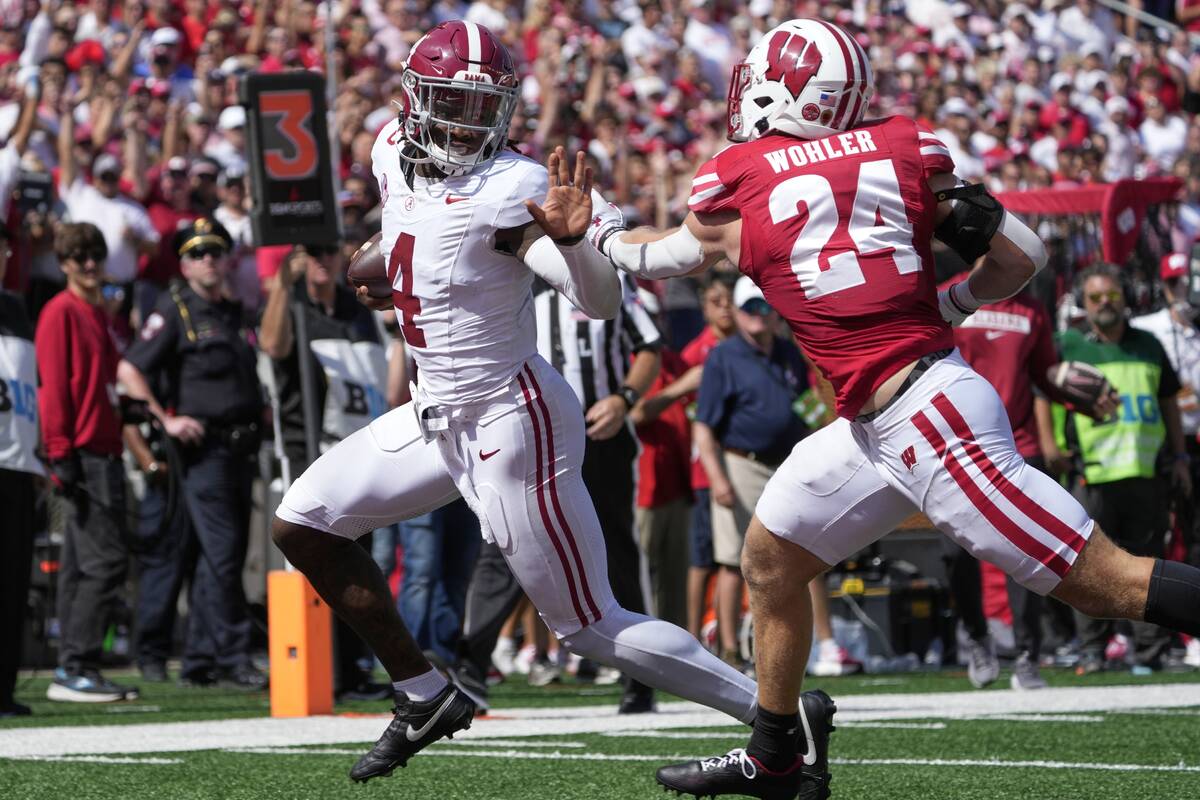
{"x": 607, "y": 222}
{"x": 566, "y": 212}
{"x": 605, "y": 417}
{"x": 371, "y": 301}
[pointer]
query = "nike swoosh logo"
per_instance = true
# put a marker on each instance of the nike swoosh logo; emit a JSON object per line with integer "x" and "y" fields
{"x": 994, "y": 335}
{"x": 414, "y": 735}
{"x": 451, "y": 199}
{"x": 485, "y": 456}
{"x": 810, "y": 752}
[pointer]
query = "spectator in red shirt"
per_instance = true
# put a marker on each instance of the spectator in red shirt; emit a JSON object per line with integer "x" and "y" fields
{"x": 81, "y": 428}
{"x": 1010, "y": 343}
{"x": 716, "y": 301}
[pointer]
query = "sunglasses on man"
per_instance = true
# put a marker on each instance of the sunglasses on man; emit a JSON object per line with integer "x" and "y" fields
{"x": 204, "y": 251}
{"x": 1112, "y": 296}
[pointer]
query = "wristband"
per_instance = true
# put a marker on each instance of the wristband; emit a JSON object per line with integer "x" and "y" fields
{"x": 961, "y": 298}
{"x": 568, "y": 241}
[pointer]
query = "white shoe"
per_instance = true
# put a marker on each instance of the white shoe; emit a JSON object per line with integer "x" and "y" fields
{"x": 983, "y": 668}
{"x": 833, "y": 661}
{"x": 523, "y": 659}
{"x": 607, "y": 676}
{"x": 544, "y": 673}
{"x": 1026, "y": 676}
{"x": 1192, "y": 659}
{"x": 504, "y": 655}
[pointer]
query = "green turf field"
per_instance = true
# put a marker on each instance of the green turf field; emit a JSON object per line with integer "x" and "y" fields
{"x": 901, "y": 737}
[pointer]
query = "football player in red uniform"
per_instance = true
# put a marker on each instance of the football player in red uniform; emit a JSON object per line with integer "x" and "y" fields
{"x": 832, "y": 216}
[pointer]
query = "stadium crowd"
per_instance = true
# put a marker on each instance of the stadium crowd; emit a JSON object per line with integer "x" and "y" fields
{"x": 124, "y": 115}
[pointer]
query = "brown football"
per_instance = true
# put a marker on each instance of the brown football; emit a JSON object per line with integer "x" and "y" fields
{"x": 368, "y": 268}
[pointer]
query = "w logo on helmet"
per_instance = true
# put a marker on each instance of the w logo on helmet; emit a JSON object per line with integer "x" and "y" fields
{"x": 792, "y": 60}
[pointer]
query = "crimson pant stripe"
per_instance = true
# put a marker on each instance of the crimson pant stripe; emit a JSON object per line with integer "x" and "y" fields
{"x": 838, "y": 118}
{"x": 1056, "y": 527}
{"x": 541, "y": 497}
{"x": 562, "y": 518}
{"x": 1007, "y": 528}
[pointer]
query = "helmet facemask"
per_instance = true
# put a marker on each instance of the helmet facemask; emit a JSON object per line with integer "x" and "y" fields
{"x": 457, "y": 123}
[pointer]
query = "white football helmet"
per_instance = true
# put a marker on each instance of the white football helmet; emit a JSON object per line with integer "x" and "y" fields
{"x": 807, "y": 78}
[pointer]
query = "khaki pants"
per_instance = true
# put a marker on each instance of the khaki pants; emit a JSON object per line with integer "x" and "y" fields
{"x": 729, "y": 525}
{"x": 663, "y": 535}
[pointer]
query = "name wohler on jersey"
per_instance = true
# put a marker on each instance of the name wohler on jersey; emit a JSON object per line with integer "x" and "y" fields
{"x": 850, "y": 143}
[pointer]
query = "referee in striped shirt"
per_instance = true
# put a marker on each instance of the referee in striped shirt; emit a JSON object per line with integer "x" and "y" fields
{"x": 609, "y": 364}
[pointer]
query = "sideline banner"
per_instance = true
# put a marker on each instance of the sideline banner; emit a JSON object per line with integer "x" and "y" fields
{"x": 291, "y": 175}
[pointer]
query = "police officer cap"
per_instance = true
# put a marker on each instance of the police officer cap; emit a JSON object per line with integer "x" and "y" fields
{"x": 201, "y": 232}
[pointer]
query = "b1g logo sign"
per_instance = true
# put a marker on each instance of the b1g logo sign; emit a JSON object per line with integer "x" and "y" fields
{"x": 290, "y": 166}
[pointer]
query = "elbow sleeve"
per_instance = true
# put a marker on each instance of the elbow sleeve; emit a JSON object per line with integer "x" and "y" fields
{"x": 671, "y": 256}
{"x": 579, "y": 272}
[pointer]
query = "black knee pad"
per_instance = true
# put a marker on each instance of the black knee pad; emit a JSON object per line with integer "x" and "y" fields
{"x": 1174, "y": 597}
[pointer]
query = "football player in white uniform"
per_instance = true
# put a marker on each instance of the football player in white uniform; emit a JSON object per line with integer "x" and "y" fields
{"x": 490, "y": 420}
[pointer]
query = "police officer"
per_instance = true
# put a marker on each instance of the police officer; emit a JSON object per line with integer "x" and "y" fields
{"x": 197, "y": 347}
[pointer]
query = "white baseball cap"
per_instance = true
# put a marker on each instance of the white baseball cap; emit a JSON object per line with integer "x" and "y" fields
{"x": 232, "y": 117}
{"x": 746, "y": 290}
{"x": 164, "y": 36}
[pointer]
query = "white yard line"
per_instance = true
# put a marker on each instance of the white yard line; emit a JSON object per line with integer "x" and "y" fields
{"x": 567, "y": 721}
{"x": 558, "y": 755}
{"x": 104, "y": 759}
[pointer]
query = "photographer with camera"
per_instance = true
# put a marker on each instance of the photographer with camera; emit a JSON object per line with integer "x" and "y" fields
{"x": 197, "y": 346}
{"x": 81, "y": 430}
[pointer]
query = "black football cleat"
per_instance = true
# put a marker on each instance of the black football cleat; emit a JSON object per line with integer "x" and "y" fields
{"x": 414, "y": 726}
{"x": 816, "y": 724}
{"x": 737, "y": 772}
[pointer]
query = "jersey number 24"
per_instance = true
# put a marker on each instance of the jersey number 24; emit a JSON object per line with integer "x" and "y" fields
{"x": 878, "y": 223}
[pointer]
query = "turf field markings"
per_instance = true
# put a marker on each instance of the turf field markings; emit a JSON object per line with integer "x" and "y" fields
{"x": 566, "y": 722}
{"x": 132, "y": 709}
{"x": 995, "y": 762}
{"x": 1159, "y": 712}
{"x": 103, "y": 759}
{"x": 1037, "y": 718}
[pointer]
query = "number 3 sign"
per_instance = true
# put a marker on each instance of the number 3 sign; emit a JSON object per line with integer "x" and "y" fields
{"x": 291, "y": 171}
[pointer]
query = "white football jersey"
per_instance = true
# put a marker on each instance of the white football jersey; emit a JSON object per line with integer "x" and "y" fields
{"x": 465, "y": 310}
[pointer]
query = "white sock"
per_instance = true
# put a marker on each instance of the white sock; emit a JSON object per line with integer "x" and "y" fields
{"x": 423, "y": 687}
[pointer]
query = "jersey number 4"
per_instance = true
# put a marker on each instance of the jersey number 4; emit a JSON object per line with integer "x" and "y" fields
{"x": 408, "y": 305}
{"x": 878, "y": 223}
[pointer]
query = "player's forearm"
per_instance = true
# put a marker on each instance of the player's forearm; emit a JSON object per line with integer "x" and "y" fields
{"x": 654, "y": 254}
{"x": 1002, "y": 272}
{"x": 580, "y": 273}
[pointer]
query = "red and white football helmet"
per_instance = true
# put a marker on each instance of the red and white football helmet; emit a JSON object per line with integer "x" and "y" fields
{"x": 460, "y": 92}
{"x": 806, "y": 77}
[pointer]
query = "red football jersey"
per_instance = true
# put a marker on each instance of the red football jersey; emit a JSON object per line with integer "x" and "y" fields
{"x": 836, "y": 232}
{"x": 1011, "y": 343}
